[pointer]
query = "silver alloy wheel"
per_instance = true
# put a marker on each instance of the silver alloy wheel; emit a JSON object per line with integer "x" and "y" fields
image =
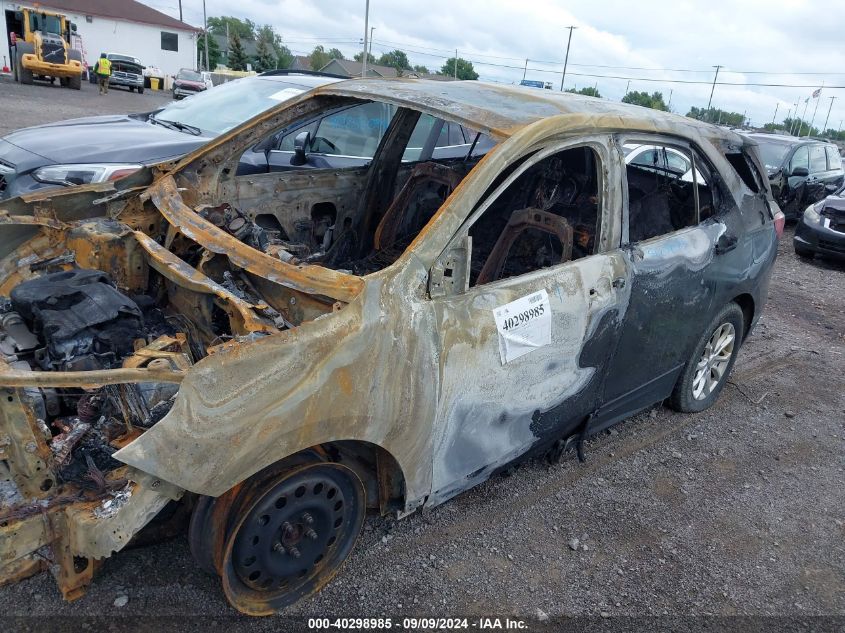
{"x": 714, "y": 361}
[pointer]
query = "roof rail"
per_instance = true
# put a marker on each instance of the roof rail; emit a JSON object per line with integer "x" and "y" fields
{"x": 291, "y": 71}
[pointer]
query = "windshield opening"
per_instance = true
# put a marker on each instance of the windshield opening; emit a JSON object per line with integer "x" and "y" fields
{"x": 189, "y": 75}
{"x": 228, "y": 105}
{"x": 772, "y": 153}
{"x": 45, "y": 23}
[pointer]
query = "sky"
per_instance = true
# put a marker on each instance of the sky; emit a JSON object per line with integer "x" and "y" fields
{"x": 787, "y": 42}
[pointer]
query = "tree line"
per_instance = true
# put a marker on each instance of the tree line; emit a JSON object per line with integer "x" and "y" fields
{"x": 270, "y": 51}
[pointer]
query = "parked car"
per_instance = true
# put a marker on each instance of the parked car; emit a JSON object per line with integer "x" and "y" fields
{"x": 188, "y": 82}
{"x": 282, "y": 352}
{"x": 101, "y": 148}
{"x": 344, "y": 137}
{"x": 821, "y": 228}
{"x": 801, "y": 171}
{"x": 126, "y": 71}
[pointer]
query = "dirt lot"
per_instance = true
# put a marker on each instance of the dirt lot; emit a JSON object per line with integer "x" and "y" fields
{"x": 22, "y": 106}
{"x": 739, "y": 510}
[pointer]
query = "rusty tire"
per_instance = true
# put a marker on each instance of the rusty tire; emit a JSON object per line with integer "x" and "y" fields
{"x": 213, "y": 517}
{"x": 291, "y": 536}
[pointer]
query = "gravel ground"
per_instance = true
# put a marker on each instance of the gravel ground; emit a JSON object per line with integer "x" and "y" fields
{"x": 23, "y": 106}
{"x": 736, "y": 511}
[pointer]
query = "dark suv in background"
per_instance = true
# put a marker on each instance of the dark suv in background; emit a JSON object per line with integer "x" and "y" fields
{"x": 801, "y": 171}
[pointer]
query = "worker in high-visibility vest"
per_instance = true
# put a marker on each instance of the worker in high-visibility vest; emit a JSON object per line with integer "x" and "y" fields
{"x": 103, "y": 71}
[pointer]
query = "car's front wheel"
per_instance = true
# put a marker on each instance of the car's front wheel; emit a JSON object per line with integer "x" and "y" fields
{"x": 713, "y": 357}
{"x": 281, "y": 535}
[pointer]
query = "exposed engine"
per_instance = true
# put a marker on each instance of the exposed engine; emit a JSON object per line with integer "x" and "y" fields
{"x": 77, "y": 320}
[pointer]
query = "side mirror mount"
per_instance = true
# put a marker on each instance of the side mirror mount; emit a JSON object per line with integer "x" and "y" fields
{"x": 800, "y": 172}
{"x": 301, "y": 143}
{"x": 450, "y": 273}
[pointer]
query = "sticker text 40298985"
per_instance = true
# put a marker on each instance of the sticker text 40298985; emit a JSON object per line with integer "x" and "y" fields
{"x": 523, "y": 325}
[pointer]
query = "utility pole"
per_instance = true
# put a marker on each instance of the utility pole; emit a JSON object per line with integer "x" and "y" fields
{"x": 566, "y": 59}
{"x": 372, "y": 28}
{"x": 366, "y": 33}
{"x": 824, "y": 127}
{"x": 709, "y": 101}
{"x": 803, "y": 116}
{"x": 525, "y": 70}
{"x": 743, "y": 117}
{"x": 456, "y": 63}
{"x": 777, "y": 105}
{"x": 180, "y": 11}
{"x": 669, "y": 105}
{"x": 627, "y": 85}
{"x": 205, "y": 30}
{"x": 792, "y": 124}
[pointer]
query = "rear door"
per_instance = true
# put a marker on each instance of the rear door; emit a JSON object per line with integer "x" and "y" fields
{"x": 834, "y": 177}
{"x": 668, "y": 248}
{"x": 819, "y": 175}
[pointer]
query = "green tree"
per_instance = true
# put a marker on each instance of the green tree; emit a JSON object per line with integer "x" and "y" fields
{"x": 359, "y": 57}
{"x": 245, "y": 29}
{"x": 237, "y": 56}
{"x": 335, "y": 53}
{"x": 654, "y": 100}
{"x": 589, "y": 91}
{"x": 319, "y": 58}
{"x": 421, "y": 69}
{"x": 465, "y": 69}
{"x": 213, "y": 52}
{"x": 716, "y": 115}
{"x": 265, "y": 57}
{"x": 284, "y": 58}
{"x": 395, "y": 59}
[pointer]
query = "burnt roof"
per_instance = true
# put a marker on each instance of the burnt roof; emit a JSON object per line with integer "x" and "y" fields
{"x": 503, "y": 110}
{"x": 128, "y": 10}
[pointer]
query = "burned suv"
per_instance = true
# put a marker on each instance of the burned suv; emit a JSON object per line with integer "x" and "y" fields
{"x": 280, "y": 353}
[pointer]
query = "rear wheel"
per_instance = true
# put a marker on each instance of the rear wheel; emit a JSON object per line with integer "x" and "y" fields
{"x": 140, "y": 90}
{"x": 280, "y": 537}
{"x": 707, "y": 371}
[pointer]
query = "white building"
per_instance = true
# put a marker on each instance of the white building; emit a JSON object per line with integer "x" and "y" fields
{"x": 118, "y": 26}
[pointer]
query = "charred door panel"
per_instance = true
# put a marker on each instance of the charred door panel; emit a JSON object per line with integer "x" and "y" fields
{"x": 297, "y": 200}
{"x": 488, "y": 410}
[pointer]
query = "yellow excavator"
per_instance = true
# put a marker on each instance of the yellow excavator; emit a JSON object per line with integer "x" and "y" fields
{"x": 40, "y": 45}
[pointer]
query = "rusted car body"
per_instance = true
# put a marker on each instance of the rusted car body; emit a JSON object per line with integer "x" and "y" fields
{"x": 371, "y": 361}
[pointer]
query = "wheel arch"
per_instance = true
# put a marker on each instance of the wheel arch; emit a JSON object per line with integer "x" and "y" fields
{"x": 746, "y": 303}
{"x": 382, "y": 475}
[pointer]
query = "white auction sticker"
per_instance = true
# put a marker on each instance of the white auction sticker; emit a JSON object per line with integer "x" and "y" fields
{"x": 524, "y": 325}
{"x": 285, "y": 94}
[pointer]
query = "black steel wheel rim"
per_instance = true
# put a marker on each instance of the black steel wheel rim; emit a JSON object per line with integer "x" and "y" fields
{"x": 302, "y": 527}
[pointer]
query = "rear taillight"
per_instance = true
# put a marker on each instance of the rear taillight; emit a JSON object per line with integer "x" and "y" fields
{"x": 780, "y": 221}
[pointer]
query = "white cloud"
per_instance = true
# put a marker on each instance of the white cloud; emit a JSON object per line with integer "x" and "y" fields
{"x": 780, "y": 36}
